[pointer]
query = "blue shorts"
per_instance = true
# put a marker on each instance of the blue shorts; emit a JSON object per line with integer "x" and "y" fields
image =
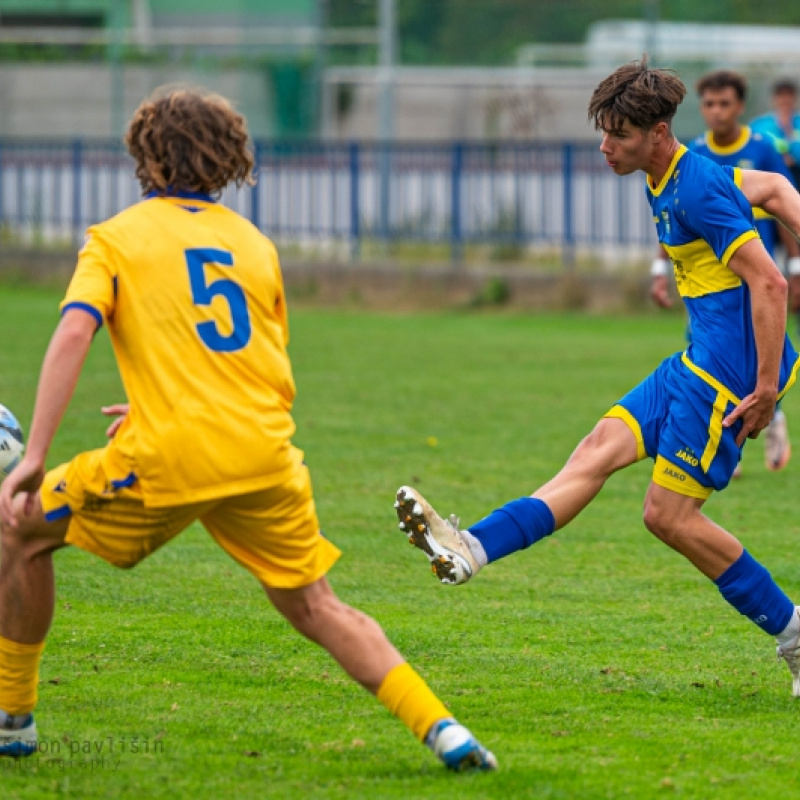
{"x": 676, "y": 417}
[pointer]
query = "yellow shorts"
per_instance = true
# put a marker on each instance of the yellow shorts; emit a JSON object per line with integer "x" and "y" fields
{"x": 274, "y": 533}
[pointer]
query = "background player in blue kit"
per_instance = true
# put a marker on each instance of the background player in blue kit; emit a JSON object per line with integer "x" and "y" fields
{"x": 693, "y": 414}
{"x": 729, "y": 143}
{"x": 782, "y": 127}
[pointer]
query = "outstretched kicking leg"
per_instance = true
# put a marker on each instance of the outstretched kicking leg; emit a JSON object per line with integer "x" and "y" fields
{"x": 456, "y": 555}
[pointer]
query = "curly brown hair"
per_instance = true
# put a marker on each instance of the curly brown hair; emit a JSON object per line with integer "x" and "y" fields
{"x": 638, "y": 94}
{"x": 187, "y": 140}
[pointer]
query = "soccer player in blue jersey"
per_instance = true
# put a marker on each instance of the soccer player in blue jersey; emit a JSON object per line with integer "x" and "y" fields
{"x": 693, "y": 414}
{"x": 782, "y": 126}
{"x": 729, "y": 143}
{"x": 193, "y": 299}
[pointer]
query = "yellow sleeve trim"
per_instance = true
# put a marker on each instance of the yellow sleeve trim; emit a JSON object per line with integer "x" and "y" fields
{"x": 711, "y": 380}
{"x": 736, "y": 244}
{"x": 737, "y": 176}
{"x": 669, "y": 476}
{"x": 618, "y": 412}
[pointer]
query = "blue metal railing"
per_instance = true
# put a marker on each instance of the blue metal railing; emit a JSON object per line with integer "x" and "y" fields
{"x": 531, "y": 194}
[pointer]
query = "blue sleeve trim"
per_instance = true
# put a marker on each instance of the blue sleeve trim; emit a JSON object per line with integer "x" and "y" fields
{"x": 98, "y": 317}
{"x": 127, "y": 481}
{"x": 58, "y": 513}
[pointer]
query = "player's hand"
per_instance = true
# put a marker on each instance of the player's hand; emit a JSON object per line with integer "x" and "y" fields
{"x": 118, "y": 410}
{"x": 25, "y": 479}
{"x": 659, "y": 291}
{"x": 756, "y": 412}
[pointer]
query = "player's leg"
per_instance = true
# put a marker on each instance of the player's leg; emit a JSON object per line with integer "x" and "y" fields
{"x": 679, "y": 522}
{"x": 361, "y": 648}
{"x": 457, "y": 554}
{"x": 78, "y": 504}
{"x": 777, "y": 447}
{"x": 275, "y": 535}
{"x": 27, "y": 599}
{"x": 696, "y": 455}
{"x": 626, "y": 434}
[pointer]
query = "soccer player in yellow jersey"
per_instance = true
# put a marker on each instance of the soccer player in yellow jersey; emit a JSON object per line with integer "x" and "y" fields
{"x": 694, "y": 412}
{"x": 193, "y": 299}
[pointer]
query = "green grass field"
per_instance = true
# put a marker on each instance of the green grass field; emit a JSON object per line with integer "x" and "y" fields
{"x": 597, "y": 665}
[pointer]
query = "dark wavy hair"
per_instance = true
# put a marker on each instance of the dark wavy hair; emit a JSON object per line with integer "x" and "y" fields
{"x": 188, "y": 140}
{"x": 722, "y": 79}
{"x": 638, "y": 94}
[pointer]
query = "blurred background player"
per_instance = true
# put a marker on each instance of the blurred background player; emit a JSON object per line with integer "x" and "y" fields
{"x": 782, "y": 126}
{"x": 729, "y": 143}
{"x": 192, "y": 294}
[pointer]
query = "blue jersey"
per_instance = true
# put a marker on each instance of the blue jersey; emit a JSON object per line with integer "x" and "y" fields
{"x": 785, "y": 142}
{"x": 702, "y": 218}
{"x": 750, "y": 151}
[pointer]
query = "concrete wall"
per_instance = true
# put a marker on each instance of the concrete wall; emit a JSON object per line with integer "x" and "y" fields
{"x": 448, "y": 104}
{"x": 86, "y": 100}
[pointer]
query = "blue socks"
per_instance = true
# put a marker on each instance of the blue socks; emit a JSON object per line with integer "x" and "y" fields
{"x": 749, "y": 588}
{"x": 746, "y": 585}
{"x": 515, "y": 526}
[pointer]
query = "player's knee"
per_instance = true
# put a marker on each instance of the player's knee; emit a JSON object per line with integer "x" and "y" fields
{"x": 19, "y": 541}
{"x": 307, "y": 610}
{"x": 659, "y": 521}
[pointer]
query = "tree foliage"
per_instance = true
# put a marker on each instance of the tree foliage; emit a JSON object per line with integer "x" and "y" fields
{"x": 488, "y": 32}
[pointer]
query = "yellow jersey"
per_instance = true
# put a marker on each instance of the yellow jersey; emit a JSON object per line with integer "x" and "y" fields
{"x": 193, "y": 298}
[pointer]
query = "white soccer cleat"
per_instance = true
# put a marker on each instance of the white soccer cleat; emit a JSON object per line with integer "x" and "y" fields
{"x": 451, "y": 559}
{"x": 777, "y": 448}
{"x": 790, "y": 653}
{"x": 16, "y": 742}
{"x": 460, "y": 751}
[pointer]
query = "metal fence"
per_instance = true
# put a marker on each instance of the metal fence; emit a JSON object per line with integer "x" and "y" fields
{"x": 554, "y": 195}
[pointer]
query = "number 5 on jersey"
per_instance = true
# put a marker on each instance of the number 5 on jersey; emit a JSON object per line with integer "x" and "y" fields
{"x": 203, "y": 293}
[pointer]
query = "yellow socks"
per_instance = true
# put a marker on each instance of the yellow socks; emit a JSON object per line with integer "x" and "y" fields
{"x": 19, "y": 676}
{"x": 410, "y": 699}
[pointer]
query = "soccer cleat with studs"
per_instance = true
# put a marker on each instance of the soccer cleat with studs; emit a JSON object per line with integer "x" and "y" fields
{"x": 451, "y": 559}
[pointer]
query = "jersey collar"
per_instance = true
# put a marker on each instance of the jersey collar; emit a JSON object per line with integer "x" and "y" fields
{"x": 725, "y": 150}
{"x": 656, "y": 190}
{"x": 202, "y": 196}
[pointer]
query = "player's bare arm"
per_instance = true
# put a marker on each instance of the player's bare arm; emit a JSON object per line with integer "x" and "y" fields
{"x": 775, "y": 194}
{"x": 60, "y": 371}
{"x": 768, "y": 292}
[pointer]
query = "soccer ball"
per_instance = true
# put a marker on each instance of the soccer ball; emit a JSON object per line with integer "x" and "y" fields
{"x": 12, "y": 442}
